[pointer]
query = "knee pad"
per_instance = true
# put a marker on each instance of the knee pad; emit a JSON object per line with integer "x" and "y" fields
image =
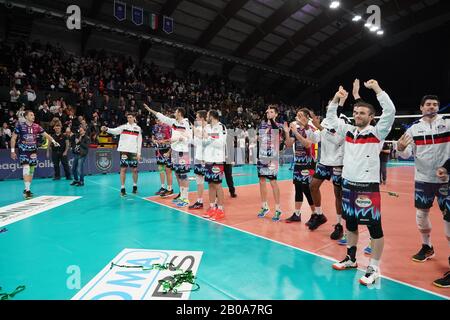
{"x": 200, "y": 179}
{"x": 32, "y": 168}
{"x": 376, "y": 231}
{"x": 26, "y": 170}
{"x": 423, "y": 220}
{"x": 161, "y": 168}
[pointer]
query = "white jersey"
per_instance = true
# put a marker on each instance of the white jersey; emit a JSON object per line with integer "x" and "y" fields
{"x": 181, "y": 130}
{"x": 362, "y": 148}
{"x": 130, "y": 138}
{"x": 198, "y": 143}
{"x": 331, "y": 145}
{"x": 430, "y": 147}
{"x": 215, "y": 143}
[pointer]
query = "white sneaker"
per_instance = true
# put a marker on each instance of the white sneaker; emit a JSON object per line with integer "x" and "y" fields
{"x": 345, "y": 264}
{"x": 370, "y": 277}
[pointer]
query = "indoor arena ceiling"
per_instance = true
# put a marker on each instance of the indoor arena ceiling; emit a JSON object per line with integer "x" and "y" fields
{"x": 303, "y": 37}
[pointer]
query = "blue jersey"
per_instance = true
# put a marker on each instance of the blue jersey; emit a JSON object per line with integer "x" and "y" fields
{"x": 269, "y": 140}
{"x": 28, "y": 136}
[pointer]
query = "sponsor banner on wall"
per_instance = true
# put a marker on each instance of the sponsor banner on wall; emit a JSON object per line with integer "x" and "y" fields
{"x": 121, "y": 283}
{"x": 98, "y": 161}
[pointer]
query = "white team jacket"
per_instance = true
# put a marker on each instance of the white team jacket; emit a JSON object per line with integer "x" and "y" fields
{"x": 331, "y": 145}
{"x": 130, "y": 138}
{"x": 215, "y": 144}
{"x": 179, "y": 129}
{"x": 362, "y": 149}
{"x": 431, "y": 148}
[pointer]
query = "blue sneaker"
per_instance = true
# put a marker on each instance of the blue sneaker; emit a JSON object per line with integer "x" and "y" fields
{"x": 276, "y": 216}
{"x": 183, "y": 203}
{"x": 263, "y": 212}
{"x": 368, "y": 250}
{"x": 343, "y": 240}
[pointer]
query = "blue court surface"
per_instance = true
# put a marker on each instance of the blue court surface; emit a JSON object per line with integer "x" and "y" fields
{"x": 90, "y": 231}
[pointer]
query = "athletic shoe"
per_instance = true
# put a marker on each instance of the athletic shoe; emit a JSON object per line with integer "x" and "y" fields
{"x": 167, "y": 193}
{"x": 74, "y": 183}
{"x": 233, "y": 195}
{"x": 424, "y": 254}
{"x": 294, "y": 218}
{"x": 211, "y": 212}
{"x": 218, "y": 215}
{"x": 370, "y": 277}
{"x": 182, "y": 203}
{"x": 160, "y": 191}
{"x": 368, "y": 250}
{"x": 276, "y": 216}
{"x": 313, "y": 216}
{"x": 80, "y": 184}
{"x": 343, "y": 240}
{"x": 338, "y": 232}
{"x": 317, "y": 222}
{"x": 443, "y": 282}
{"x": 196, "y": 205}
{"x": 123, "y": 193}
{"x": 263, "y": 212}
{"x": 134, "y": 189}
{"x": 345, "y": 264}
{"x": 28, "y": 194}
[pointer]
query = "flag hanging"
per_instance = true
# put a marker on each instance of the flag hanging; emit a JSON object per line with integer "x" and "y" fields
{"x": 154, "y": 21}
{"x": 120, "y": 10}
{"x": 137, "y": 15}
{"x": 167, "y": 24}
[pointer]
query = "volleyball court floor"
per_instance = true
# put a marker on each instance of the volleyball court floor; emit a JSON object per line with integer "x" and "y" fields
{"x": 242, "y": 256}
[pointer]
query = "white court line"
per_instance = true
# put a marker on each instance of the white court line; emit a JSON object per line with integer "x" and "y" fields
{"x": 278, "y": 242}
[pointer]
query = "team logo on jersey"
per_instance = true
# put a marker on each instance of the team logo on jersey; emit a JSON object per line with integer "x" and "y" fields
{"x": 363, "y": 202}
{"x": 33, "y": 156}
{"x": 305, "y": 172}
{"x": 215, "y": 170}
{"x": 182, "y": 162}
{"x": 443, "y": 190}
{"x": 103, "y": 160}
{"x": 124, "y": 157}
{"x": 337, "y": 171}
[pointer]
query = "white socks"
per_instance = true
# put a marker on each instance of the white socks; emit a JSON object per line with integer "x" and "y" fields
{"x": 27, "y": 186}
{"x": 319, "y": 211}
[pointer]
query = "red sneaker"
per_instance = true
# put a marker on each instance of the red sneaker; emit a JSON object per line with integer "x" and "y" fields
{"x": 219, "y": 215}
{"x": 208, "y": 214}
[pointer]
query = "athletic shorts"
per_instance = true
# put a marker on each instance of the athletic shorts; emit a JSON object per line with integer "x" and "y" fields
{"x": 329, "y": 172}
{"x": 128, "y": 159}
{"x": 302, "y": 174}
{"x": 426, "y": 192}
{"x": 361, "y": 203}
{"x": 28, "y": 157}
{"x": 214, "y": 172}
{"x": 200, "y": 169}
{"x": 161, "y": 159}
{"x": 181, "y": 162}
{"x": 267, "y": 169}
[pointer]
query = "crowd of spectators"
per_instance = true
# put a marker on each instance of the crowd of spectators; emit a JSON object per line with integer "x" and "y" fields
{"x": 99, "y": 88}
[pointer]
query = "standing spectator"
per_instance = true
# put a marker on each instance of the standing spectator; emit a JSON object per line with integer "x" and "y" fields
{"x": 59, "y": 154}
{"x": 5, "y": 136}
{"x": 80, "y": 148}
{"x": 45, "y": 116}
{"x": 15, "y": 96}
{"x": 19, "y": 78}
